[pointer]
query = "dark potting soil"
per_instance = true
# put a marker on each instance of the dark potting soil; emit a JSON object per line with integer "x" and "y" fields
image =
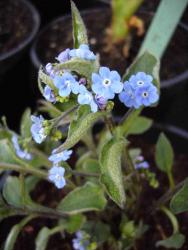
{"x": 159, "y": 225}
{"x": 58, "y": 36}
{"x": 15, "y": 24}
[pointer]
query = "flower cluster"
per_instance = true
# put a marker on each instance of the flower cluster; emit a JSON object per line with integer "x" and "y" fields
{"x": 139, "y": 91}
{"x": 56, "y": 173}
{"x": 23, "y": 154}
{"x": 96, "y": 92}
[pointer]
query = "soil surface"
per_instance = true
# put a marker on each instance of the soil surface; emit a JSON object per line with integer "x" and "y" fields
{"x": 58, "y": 36}
{"x": 15, "y": 24}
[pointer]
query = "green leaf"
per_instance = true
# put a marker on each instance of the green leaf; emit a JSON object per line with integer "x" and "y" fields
{"x": 89, "y": 197}
{"x": 90, "y": 165}
{"x": 79, "y": 29}
{"x": 7, "y": 153}
{"x": 111, "y": 174}
{"x": 141, "y": 124}
{"x": 100, "y": 231}
{"x": 80, "y": 66}
{"x": 5, "y": 211}
{"x": 12, "y": 193}
{"x": 14, "y": 232}
{"x": 179, "y": 202}
{"x": 26, "y": 124}
{"x": 83, "y": 121}
{"x": 43, "y": 236}
{"x": 134, "y": 124}
{"x": 146, "y": 63}
{"x": 175, "y": 241}
{"x": 73, "y": 223}
{"x": 164, "y": 155}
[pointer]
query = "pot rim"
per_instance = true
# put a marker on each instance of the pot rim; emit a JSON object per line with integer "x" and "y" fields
{"x": 166, "y": 83}
{"x": 28, "y": 39}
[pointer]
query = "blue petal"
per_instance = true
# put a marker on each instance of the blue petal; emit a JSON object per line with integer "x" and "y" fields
{"x": 114, "y": 76}
{"x": 117, "y": 87}
{"x": 63, "y": 92}
{"x": 104, "y": 72}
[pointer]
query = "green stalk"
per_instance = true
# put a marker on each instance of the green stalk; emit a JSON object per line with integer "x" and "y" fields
{"x": 171, "y": 180}
{"x": 172, "y": 219}
{"x": 24, "y": 170}
{"x": 163, "y": 26}
{"x": 122, "y": 11}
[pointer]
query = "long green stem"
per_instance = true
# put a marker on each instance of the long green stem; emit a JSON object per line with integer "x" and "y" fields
{"x": 171, "y": 180}
{"x": 22, "y": 169}
{"x": 172, "y": 219}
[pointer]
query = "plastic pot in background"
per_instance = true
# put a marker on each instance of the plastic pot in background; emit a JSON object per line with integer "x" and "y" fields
{"x": 20, "y": 23}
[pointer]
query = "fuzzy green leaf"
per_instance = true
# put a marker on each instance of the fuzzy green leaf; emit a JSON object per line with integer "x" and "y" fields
{"x": 26, "y": 124}
{"x": 42, "y": 238}
{"x": 79, "y": 29}
{"x": 14, "y": 232}
{"x": 7, "y": 153}
{"x": 89, "y": 197}
{"x": 111, "y": 174}
{"x": 179, "y": 202}
{"x": 164, "y": 154}
{"x": 73, "y": 223}
{"x": 83, "y": 121}
{"x": 175, "y": 241}
{"x": 80, "y": 66}
{"x": 141, "y": 124}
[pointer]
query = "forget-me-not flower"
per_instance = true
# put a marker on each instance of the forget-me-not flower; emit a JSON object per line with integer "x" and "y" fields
{"x": 58, "y": 157}
{"x": 83, "y": 52}
{"x": 140, "y": 163}
{"x": 146, "y": 95}
{"x": 107, "y": 83}
{"x": 86, "y": 97}
{"x": 66, "y": 84}
{"x": 127, "y": 96}
{"x": 141, "y": 79}
{"x": 56, "y": 175}
{"x": 23, "y": 154}
{"x": 80, "y": 242}
{"x": 37, "y": 129}
{"x": 63, "y": 56}
{"x": 49, "y": 94}
{"x": 50, "y": 70}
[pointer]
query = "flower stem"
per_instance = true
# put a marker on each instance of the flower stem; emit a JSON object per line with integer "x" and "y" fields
{"x": 24, "y": 170}
{"x": 172, "y": 219}
{"x": 171, "y": 180}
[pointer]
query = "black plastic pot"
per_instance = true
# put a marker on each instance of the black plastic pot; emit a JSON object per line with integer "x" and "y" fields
{"x": 65, "y": 21}
{"x": 10, "y": 57}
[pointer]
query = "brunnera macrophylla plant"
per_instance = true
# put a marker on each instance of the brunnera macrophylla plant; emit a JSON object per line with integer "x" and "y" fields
{"x": 100, "y": 175}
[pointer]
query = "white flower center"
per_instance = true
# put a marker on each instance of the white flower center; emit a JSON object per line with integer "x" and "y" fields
{"x": 140, "y": 83}
{"x": 145, "y": 94}
{"x": 58, "y": 177}
{"x": 106, "y": 82}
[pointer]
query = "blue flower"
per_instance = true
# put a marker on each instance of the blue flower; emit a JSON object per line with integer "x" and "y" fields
{"x": 86, "y": 97}
{"x": 142, "y": 165}
{"x": 56, "y": 175}
{"x": 50, "y": 71}
{"x": 101, "y": 101}
{"x": 66, "y": 84}
{"x": 146, "y": 95}
{"x": 82, "y": 52}
{"x": 58, "y": 157}
{"x": 127, "y": 96}
{"x": 141, "y": 79}
{"x": 107, "y": 83}
{"x": 23, "y": 154}
{"x": 37, "y": 129}
{"x": 80, "y": 242}
{"x": 63, "y": 56}
{"x": 49, "y": 94}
